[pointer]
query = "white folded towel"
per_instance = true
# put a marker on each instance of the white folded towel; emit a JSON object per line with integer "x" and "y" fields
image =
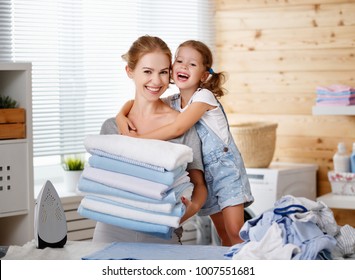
{"x": 153, "y": 207}
{"x": 184, "y": 178}
{"x": 130, "y": 213}
{"x": 156, "y": 152}
{"x": 126, "y": 182}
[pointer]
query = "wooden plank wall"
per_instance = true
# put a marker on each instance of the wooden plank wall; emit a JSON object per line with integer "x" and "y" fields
{"x": 276, "y": 52}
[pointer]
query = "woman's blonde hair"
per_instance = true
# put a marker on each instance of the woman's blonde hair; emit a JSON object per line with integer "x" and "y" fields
{"x": 144, "y": 45}
{"x": 216, "y": 80}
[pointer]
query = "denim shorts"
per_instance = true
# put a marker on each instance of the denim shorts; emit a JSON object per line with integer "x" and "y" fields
{"x": 227, "y": 183}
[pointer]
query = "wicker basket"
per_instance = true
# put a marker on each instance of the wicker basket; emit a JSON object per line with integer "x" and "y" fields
{"x": 256, "y": 142}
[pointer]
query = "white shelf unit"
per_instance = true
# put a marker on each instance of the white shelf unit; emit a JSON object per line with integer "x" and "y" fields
{"x": 335, "y": 200}
{"x": 16, "y": 161}
{"x": 338, "y": 201}
{"x": 334, "y": 110}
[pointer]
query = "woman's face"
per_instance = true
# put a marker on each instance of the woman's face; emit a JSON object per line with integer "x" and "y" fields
{"x": 151, "y": 75}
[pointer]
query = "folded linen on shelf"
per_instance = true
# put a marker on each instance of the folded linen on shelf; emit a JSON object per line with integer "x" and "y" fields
{"x": 335, "y": 89}
{"x": 156, "y": 152}
{"x": 115, "y": 165}
{"x": 335, "y": 95}
{"x": 335, "y": 103}
{"x": 160, "y": 231}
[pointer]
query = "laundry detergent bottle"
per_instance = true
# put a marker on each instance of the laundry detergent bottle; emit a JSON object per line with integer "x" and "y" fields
{"x": 352, "y": 160}
{"x": 341, "y": 159}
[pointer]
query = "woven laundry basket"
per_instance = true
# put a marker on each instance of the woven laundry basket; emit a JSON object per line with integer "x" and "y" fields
{"x": 256, "y": 142}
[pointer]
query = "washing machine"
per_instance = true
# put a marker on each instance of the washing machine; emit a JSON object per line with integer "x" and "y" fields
{"x": 270, "y": 184}
{"x": 279, "y": 179}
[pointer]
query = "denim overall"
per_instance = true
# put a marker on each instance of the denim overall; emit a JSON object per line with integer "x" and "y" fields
{"x": 225, "y": 174}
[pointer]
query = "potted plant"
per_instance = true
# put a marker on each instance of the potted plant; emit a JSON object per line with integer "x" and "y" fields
{"x": 6, "y": 102}
{"x": 73, "y": 167}
{"x": 12, "y": 119}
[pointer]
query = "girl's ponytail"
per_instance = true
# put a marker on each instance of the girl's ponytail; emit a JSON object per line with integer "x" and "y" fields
{"x": 215, "y": 83}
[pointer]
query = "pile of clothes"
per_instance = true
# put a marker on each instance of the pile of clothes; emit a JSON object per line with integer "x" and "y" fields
{"x": 335, "y": 95}
{"x": 135, "y": 183}
{"x": 296, "y": 228}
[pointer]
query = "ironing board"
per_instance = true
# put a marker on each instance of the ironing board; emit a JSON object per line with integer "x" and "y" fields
{"x": 85, "y": 250}
{"x": 154, "y": 251}
{"x": 72, "y": 250}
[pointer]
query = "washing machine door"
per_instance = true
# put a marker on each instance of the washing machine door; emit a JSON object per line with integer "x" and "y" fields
{"x": 248, "y": 214}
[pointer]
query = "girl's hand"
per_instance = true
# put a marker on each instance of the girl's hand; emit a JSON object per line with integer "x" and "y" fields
{"x": 133, "y": 133}
{"x": 125, "y": 126}
{"x": 191, "y": 209}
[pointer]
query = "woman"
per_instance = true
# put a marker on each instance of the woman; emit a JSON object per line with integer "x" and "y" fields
{"x": 148, "y": 65}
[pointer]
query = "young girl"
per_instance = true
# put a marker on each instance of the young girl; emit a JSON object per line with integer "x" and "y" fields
{"x": 227, "y": 182}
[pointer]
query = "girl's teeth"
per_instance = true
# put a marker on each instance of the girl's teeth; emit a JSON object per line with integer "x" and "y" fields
{"x": 183, "y": 76}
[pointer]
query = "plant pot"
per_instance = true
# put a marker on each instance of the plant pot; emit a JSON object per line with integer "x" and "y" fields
{"x": 71, "y": 179}
{"x": 12, "y": 123}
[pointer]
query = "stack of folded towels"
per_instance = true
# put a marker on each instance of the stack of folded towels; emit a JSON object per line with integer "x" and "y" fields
{"x": 135, "y": 183}
{"x": 335, "y": 95}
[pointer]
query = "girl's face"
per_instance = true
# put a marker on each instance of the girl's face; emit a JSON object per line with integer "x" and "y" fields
{"x": 188, "y": 69}
{"x": 151, "y": 75}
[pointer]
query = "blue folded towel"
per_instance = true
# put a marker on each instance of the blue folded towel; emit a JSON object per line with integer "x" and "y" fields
{"x": 89, "y": 186}
{"x": 115, "y": 165}
{"x": 159, "y": 231}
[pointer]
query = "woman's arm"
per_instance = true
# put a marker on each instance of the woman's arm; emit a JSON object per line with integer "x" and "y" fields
{"x": 199, "y": 194}
{"x": 183, "y": 123}
{"x": 123, "y": 123}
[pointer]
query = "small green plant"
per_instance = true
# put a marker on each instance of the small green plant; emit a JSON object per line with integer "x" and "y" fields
{"x": 6, "y": 102}
{"x": 72, "y": 163}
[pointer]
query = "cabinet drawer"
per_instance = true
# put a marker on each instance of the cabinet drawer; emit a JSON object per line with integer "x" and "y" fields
{"x": 79, "y": 228}
{"x": 80, "y": 225}
{"x": 86, "y": 234}
{"x": 14, "y": 183}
